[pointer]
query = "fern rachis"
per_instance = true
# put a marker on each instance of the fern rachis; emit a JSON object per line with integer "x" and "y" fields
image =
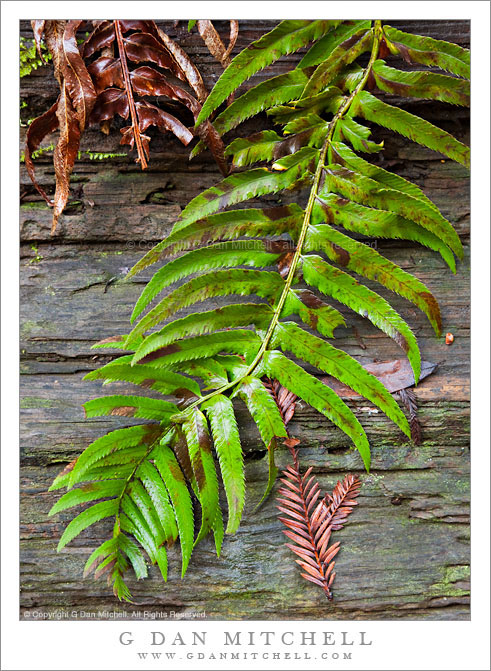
{"x": 153, "y": 471}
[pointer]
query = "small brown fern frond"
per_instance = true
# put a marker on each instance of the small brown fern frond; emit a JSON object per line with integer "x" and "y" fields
{"x": 408, "y": 398}
{"x": 341, "y": 502}
{"x": 310, "y": 525}
{"x": 284, "y": 399}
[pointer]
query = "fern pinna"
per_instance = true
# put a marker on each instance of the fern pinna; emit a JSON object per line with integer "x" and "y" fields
{"x": 293, "y": 257}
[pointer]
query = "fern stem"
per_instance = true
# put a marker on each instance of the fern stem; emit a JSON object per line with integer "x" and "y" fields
{"x": 377, "y": 36}
{"x": 129, "y": 93}
{"x": 312, "y": 196}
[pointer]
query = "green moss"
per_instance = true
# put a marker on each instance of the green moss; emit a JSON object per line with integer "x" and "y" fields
{"x": 462, "y": 485}
{"x": 91, "y": 155}
{"x": 451, "y": 576}
{"x": 100, "y": 156}
{"x": 28, "y": 57}
{"x": 104, "y": 255}
{"x": 30, "y": 327}
{"x": 37, "y": 152}
{"x": 35, "y": 205}
{"x": 29, "y": 402}
{"x": 37, "y": 256}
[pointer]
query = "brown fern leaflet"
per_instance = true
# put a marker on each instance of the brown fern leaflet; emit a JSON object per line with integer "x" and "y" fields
{"x": 284, "y": 399}
{"x": 408, "y": 397}
{"x": 310, "y": 524}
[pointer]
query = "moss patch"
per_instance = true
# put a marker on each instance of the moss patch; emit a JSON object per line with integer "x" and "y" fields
{"x": 29, "y": 402}
{"x": 450, "y": 582}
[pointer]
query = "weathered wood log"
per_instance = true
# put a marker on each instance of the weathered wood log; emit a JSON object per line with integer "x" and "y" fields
{"x": 117, "y": 201}
{"x": 405, "y": 551}
{"x": 419, "y": 496}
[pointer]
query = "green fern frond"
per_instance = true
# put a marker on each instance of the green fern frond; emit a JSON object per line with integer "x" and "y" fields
{"x": 367, "y": 262}
{"x": 274, "y": 91}
{"x": 220, "y": 412}
{"x": 130, "y": 406}
{"x": 318, "y": 396}
{"x": 423, "y": 84}
{"x": 340, "y": 33}
{"x": 338, "y": 364}
{"x": 287, "y": 37}
{"x": 220, "y": 283}
{"x": 238, "y": 341}
{"x": 148, "y": 475}
{"x": 94, "y": 514}
{"x": 176, "y": 485}
{"x": 370, "y": 221}
{"x": 346, "y": 157}
{"x": 366, "y": 191}
{"x": 196, "y": 432}
{"x": 343, "y": 55}
{"x": 342, "y": 287}
{"x": 164, "y": 381}
{"x": 312, "y": 311}
{"x": 426, "y": 50}
{"x": 246, "y": 185}
{"x": 409, "y": 125}
{"x": 210, "y": 371}
{"x": 262, "y": 408}
{"x": 257, "y": 253}
{"x": 199, "y": 323}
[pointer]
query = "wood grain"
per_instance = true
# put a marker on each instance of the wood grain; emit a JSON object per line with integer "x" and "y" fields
{"x": 405, "y": 551}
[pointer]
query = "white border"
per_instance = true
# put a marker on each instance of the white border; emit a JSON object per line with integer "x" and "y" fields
{"x": 396, "y": 645}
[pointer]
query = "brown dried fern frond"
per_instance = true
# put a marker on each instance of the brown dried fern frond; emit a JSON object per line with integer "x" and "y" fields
{"x": 284, "y": 399}
{"x": 99, "y": 81}
{"x": 408, "y": 397}
{"x": 310, "y": 523}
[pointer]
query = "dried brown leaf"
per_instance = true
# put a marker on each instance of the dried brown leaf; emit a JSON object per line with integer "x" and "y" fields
{"x": 143, "y": 47}
{"x": 146, "y": 81}
{"x": 213, "y": 41}
{"x": 189, "y": 70}
{"x": 106, "y": 87}
{"x": 234, "y": 34}
{"x": 394, "y": 375}
{"x": 38, "y": 30}
{"x": 109, "y": 103}
{"x": 408, "y": 398}
{"x": 65, "y": 153}
{"x": 215, "y": 144}
{"x": 53, "y": 38}
{"x": 149, "y": 115}
{"x": 78, "y": 81}
{"x": 106, "y": 72}
{"x": 141, "y": 148}
{"x": 102, "y": 36}
{"x": 38, "y": 129}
